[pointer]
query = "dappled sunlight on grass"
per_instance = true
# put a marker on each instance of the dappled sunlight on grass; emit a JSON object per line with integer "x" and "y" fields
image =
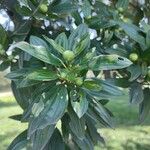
{"x": 128, "y": 133}
{"x": 9, "y": 128}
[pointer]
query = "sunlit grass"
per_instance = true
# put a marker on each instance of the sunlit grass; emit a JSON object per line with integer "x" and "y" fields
{"x": 128, "y": 133}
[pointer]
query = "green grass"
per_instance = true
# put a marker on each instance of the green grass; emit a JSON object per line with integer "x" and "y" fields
{"x": 9, "y": 128}
{"x": 128, "y": 133}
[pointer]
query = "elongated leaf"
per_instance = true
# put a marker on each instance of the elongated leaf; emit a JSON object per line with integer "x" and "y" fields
{"x": 135, "y": 71}
{"x": 76, "y": 35}
{"x": 109, "y": 62}
{"x": 22, "y": 96}
{"x": 23, "y": 83}
{"x": 56, "y": 142}
{"x": 99, "y": 114}
{"x": 4, "y": 65}
{"x": 65, "y": 126}
{"x": 92, "y": 85}
{"x": 84, "y": 144}
{"x": 80, "y": 106}
{"x": 42, "y": 75}
{"x": 38, "y": 42}
{"x": 133, "y": 33}
{"x": 109, "y": 87}
{"x": 62, "y": 40}
{"x": 57, "y": 101}
{"x": 63, "y": 8}
{"x": 39, "y": 52}
{"x": 103, "y": 114}
{"x": 41, "y": 137}
{"x": 20, "y": 142}
{"x": 148, "y": 39}
{"x": 16, "y": 117}
{"x": 144, "y": 108}
{"x": 77, "y": 125}
{"x": 93, "y": 133}
{"x": 83, "y": 44}
{"x": 33, "y": 74}
{"x": 136, "y": 93}
{"x": 55, "y": 45}
{"x": 122, "y": 4}
{"x": 3, "y": 37}
{"x": 17, "y": 74}
{"x": 86, "y": 8}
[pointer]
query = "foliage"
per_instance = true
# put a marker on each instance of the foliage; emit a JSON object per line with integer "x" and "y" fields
{"x": 50, "y": 60}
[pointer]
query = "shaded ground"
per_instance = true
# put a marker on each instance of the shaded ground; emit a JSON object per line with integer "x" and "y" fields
{"x": 128, "y": 135}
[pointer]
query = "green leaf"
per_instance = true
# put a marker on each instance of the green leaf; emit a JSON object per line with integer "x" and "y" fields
{"x": 133, "y": 32}
{"x": 136, "y": 93}
{"x": 77, "y": 17}
{"x": 144, "y": 108}
{"x": 96, "y": 22}
{"x": 92, "y": 85}
{"x": 23, "y": 83}
{"x": 148, "y": 39}
{"x": 103, "y": 114}
{"x": 77, "y": 125}
{"x": 38, "y": 52}
{"x": 56, "y": 46}
{"x": 99, "y": 114}
{"x": 135, "y": 71}
{"x": 84, "y": 144}
{"x": 80, "y": 107}
{"x": 65, "y": 126}
{"x": 3, "y": 37}
{"x": 64, "y": 8}
{"x": 83, "y": 44}
{"x": 33, "y": 74}
{"x": 62, "y": 40}
{"x": 93, "y": 133}
{"x": 109, "y": 87}
{"x": 56, "y": 142}
{"x": 86, "y": 8}
{"x": 122, "y": 4}
{"x": 42, "y": 75}
{"x": 4, "y": 65}
{"x": 37, "y": 108}
{"x": 108, "y": 62}
{"x": 57, "y": 101}
{"x": 17, "y": 74}
{"x": 16, "y": 117}
{"x": 76, "y": 36}
{"x": 41, "y": 137}
{"x": 22, "y": 96}
{"x": 38, "y": 42}
{"x": 20, "y": 142}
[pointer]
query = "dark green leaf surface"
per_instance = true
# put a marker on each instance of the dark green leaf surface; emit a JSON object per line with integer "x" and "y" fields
{"x": 136, "y": 93}
{"x": 39, "y": 52}
{"x": 81, "y": 105}
{"x": 41, "y": 137}
{"x": 135, "y": 71}
{"x": 62, "y": 40}
{"x": 133, "y": 32}
{"x": 76, "y": 35}
{"x": 144, "y": 108}
{"x": 57, "y": 101}
{"x": 42, "y": 75}
{"x": 77, "y": 126}
{"x": 55, "y": 45}
{"x": 20, "y": 142}
{"x": 109, "y": 62}
{"x": 56, "y": 142}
